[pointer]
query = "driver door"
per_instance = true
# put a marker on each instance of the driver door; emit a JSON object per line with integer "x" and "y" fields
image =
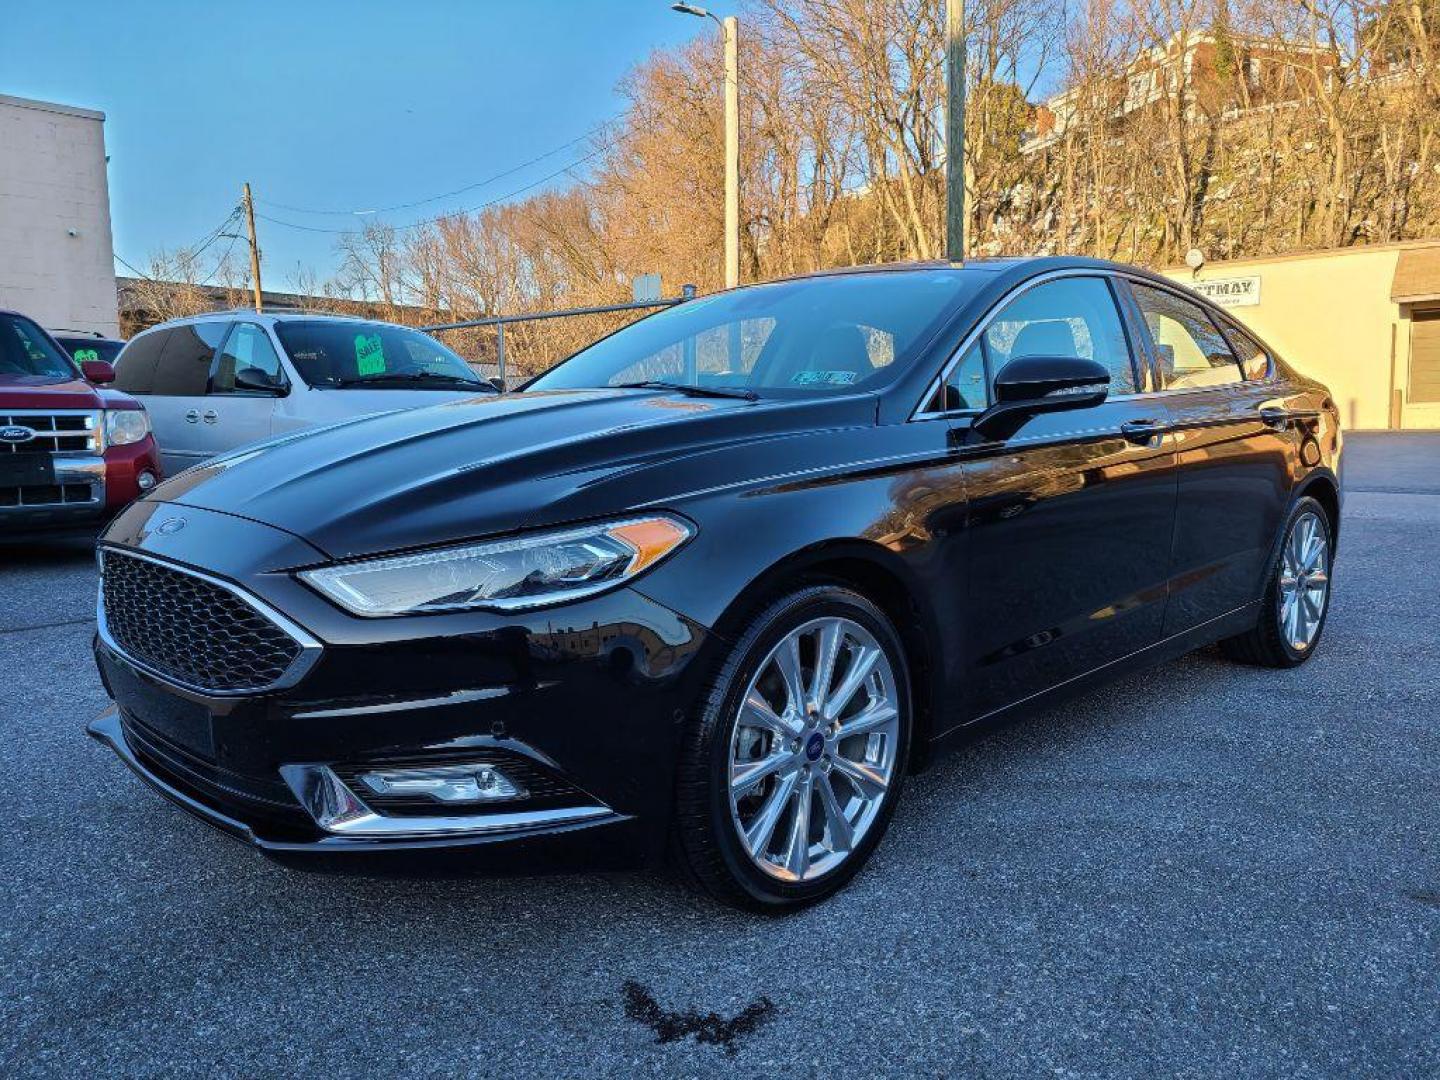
{"x": 1070, "y": 518}
{"x": 237, "y": 415}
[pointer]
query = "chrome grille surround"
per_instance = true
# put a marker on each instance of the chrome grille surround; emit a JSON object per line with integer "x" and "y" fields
{"x": 244, "y": 623}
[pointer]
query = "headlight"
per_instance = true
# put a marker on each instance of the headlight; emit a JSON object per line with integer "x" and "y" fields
{"x": 503, "y": 575}
{"x": 125, "y": 426}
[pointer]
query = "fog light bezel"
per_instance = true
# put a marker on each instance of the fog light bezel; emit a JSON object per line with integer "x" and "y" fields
{"x": 430, "y": 782}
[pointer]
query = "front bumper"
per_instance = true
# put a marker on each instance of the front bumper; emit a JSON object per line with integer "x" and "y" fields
{"x": 108, "y": 482}
{"x": 520, "y": 843}
{"x": 583, "y": 701}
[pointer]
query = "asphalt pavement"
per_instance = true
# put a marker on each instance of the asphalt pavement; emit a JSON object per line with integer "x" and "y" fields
{"x": 1203, "y": 870}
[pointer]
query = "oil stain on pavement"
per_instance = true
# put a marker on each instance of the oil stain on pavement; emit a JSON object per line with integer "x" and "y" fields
{"x": 670, "y": 1026}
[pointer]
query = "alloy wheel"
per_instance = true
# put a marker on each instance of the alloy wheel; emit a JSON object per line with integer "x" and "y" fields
{"x": 1304, "y": 581}
{"x": 814, "y": 749}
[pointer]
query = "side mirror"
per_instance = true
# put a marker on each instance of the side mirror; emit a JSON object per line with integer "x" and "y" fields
{"x": 1031, "y": 385}
{"x": 257, "y": 381}
{"x": 97, "y": 371}
{"x": 498, "y": 383}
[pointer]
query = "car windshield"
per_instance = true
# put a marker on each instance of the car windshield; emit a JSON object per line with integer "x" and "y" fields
{"x": 341, "y": 353}
{"x": 25, "y": 349}
{"x": 792, "y": 338}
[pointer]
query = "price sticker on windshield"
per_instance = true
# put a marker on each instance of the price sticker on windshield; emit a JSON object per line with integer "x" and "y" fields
{"x": 369, "y": 356}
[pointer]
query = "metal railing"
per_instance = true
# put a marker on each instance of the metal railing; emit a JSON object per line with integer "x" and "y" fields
{"x": 687, "y": 292}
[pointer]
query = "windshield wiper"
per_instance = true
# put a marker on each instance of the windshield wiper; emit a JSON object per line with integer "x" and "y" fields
{"x": 413, "y": 377}
{"x": 691, "y": 390}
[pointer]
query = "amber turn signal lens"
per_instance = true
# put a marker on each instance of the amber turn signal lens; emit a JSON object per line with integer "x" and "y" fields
{"x": 652, "y": 539}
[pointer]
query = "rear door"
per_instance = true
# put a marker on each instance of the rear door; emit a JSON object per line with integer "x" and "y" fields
{"x": 177, "y": 398}
{"x": 1069, "y": 519}
{"x": 239, "y": 414}
{"x": 1234, "y": 455}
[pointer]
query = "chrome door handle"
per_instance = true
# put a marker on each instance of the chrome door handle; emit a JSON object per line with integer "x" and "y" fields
{"x": 1142, "y": 432}
{"x": 211, "y": 416}
{"x": 193, "y": 416}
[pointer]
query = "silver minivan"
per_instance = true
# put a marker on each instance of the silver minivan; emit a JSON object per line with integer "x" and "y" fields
{"x": 218, "y": 381}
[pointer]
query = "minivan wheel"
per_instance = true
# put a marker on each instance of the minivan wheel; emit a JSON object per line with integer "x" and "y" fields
{"x": 790, "y": 772}
{"x": 1297, "y": 595}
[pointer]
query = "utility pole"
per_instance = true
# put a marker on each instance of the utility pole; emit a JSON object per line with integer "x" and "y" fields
{"x": 254, "y": 246}
{"x": 731, "y": 26}
{"x": 955, "y": 130}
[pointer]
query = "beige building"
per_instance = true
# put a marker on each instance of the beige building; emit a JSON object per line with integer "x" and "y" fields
{"x": 56, "y": 262}
{"x": 1363, "y": 320}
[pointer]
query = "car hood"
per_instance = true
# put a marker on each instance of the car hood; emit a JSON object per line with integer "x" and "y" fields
{"x": 46, "y": 392}
{"x": 489, "y": 465}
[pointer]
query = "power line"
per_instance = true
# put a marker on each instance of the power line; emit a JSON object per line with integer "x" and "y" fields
{"x": 430, "y": 221}
{"x": 449, "y": 194}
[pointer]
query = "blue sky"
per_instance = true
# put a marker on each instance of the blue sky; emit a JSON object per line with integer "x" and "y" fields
{"x": 324, "y": 104}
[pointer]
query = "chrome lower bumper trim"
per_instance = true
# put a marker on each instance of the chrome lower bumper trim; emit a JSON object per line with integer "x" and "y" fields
{"x": 341, "y": 812}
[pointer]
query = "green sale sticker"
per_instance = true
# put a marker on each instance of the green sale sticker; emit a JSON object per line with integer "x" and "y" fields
{"x": 369, "y": 356}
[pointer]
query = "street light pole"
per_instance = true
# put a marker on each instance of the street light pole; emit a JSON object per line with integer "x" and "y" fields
{"x": 730, "y": 28}
{"x": 955, "y": 130}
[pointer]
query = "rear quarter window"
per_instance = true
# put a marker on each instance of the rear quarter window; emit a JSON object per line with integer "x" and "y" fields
{"x": 135, "y": 367}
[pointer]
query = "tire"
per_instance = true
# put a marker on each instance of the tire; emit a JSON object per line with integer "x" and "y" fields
{"x": 719, "y": 841}
{"x": 1278, "y": 640}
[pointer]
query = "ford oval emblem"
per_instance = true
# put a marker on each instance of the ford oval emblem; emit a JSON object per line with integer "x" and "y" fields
{"x": 170, "y": 526}
{"x": 16, "y": 434}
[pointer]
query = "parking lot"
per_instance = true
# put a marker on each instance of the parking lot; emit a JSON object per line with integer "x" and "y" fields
{"x": 1202, "y": 870}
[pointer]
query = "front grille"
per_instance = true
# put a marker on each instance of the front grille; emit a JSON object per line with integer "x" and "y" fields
{"x": 57, "y": 432}
{"x": 47, "y": 495}
{"x": 190, "y": 629}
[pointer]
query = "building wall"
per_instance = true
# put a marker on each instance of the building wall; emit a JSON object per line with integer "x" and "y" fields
{"x": 1330, "y": 315}
{"x": 52, "y": 181}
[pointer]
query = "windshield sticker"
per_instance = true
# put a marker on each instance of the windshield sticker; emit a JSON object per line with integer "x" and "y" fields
{"x": 84, "y": 356}
{"x": 823, "y": 378}
{"x": 369, "y": 356}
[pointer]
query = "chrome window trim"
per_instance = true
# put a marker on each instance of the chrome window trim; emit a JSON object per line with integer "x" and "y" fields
{"x": 310, "y": 646}
{"x": 919, "y": 412}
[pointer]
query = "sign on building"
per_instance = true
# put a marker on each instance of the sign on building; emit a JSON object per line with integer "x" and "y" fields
{"x": 1230, "y": 292}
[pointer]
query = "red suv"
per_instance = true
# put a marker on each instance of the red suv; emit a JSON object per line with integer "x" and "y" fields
{"x": 72, "y": 453}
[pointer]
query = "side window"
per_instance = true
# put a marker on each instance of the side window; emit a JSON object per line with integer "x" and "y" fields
{"x": 1254, "y": 361}
{"x": 1073, "y": 316}
{"x": 135, "y": 367}
{"x": 184, "y": 367}
{"x": 248, "y": 351}
{"x": 1191, "y": 351}
{"x": 964, "y": 387}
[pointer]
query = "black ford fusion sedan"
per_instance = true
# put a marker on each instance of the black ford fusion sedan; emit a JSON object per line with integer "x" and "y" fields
{"x": 711, "y": 587}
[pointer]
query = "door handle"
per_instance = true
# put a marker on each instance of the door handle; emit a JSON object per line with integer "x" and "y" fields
{"x": 211, "y": 416}
{"x": 1275, "y": 417}
{"x": 193, "y": 416}
{"x": 1142, "y": 432}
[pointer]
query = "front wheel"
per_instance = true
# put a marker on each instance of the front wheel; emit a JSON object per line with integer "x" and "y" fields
{"x": 1297, "y": 594}
{"x": 790, "y": 773}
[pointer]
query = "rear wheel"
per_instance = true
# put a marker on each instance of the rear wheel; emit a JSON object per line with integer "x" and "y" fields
{"x": 791, "y": 772}
{"x": 1297, "y": 595}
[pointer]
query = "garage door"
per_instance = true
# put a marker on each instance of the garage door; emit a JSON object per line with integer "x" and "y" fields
{"x": 1425, "y": 358}
{"x": 1422, "y": 391}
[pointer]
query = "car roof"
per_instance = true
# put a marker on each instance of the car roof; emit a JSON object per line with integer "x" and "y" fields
{"x": 266, "y": 317}
{"x": 1035, "y": 264}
